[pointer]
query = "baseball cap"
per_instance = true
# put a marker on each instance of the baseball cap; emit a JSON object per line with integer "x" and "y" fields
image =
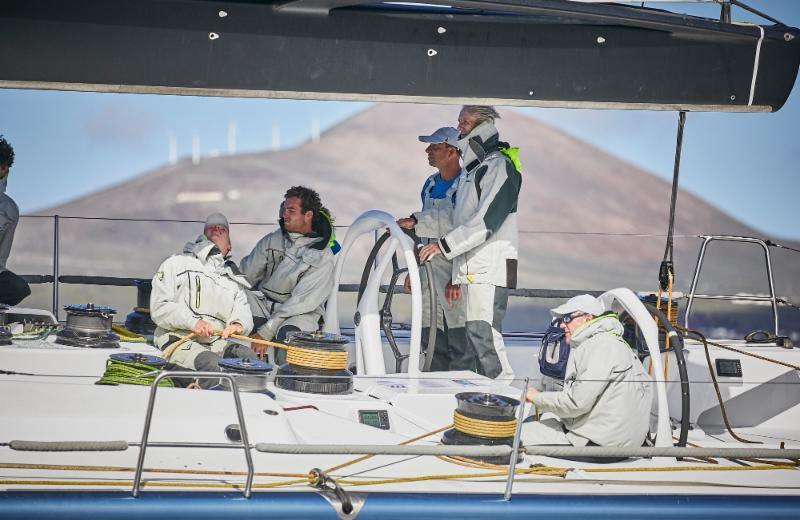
{"x": 581, "y": 303}
{"x": 446, "y": 134}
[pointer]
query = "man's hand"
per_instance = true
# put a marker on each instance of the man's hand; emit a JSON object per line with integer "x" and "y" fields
{"x": 233, "y": 328}
{"x": 407, "y": 285}
{"x": 261, "y": 350}
{"x": 203, "y": 329}
{"x": 407, "y": 223}
{"x": 531, "y": 393}
{"x": 429, "y": 251}
{"x": 452, "y": 293}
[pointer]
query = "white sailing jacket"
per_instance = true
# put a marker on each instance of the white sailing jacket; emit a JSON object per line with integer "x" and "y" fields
{"x": 199, "y": 284}
{"x": 483, "y": 244}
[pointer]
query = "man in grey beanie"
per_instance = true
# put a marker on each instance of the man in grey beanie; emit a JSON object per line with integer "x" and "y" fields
{"x": 200, "y": 290}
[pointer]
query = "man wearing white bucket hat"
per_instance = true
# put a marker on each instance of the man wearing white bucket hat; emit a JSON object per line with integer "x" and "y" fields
{"x": 607, "y": 397}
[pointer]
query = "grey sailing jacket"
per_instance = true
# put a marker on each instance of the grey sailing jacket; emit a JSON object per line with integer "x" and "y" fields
{"x": 607, "y": 396}
{"x": 483, "y": 244}
{"x": 293, "y": 272}
{"x": 9, "y": 216}
{"x": 198, "y": 284}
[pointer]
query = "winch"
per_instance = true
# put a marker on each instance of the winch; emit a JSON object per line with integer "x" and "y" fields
{"x": 251, "y": 374}
{"x": 316, "y": 364}
{"x": 139, "y": 321}
{"x": 88, "y": 326}
{"x": 483, "y": 419}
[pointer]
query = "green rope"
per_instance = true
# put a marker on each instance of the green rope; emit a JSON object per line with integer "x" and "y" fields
{"x": 37, "y": 333}
{"x": 125, "y": 373}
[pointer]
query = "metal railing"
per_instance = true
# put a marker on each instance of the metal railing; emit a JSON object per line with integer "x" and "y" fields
{"x": 707, "y": 239}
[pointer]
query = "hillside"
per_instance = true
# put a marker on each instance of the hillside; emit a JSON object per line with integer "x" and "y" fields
{"x": 574, "y": 195}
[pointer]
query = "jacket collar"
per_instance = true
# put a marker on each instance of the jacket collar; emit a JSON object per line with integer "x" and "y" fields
{"x": 320, "y": 236}
{"x": 599, "y": 325}
{"x": 202, "y": 248}
{"x": 477, "y": 144}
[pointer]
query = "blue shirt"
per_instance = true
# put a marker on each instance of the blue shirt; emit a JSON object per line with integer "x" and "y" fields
{"x": 439, "y": 188}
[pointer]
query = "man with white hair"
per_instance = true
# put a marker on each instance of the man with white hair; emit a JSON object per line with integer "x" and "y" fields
{"x": 483, "y": 243}
{"x": 607, "y": 397}
{"x": 201, "y": 290}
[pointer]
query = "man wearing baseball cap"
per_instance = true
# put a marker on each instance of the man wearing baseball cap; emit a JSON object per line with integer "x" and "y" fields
{"x": 607, "y": 395}
{"x": 433, "y": 221}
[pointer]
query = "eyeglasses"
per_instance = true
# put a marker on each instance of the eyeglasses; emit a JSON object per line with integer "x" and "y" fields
{"x": 569, "y": 317}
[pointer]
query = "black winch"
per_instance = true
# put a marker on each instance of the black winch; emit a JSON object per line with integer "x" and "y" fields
{"x": 88, "y": 326}
{"x": 251, "y": 374}
{"x": 483, "y": 419}
{"x": 139, "y": 321}
{"x": 316, "y": 364}
{"x": 140, "y": 359}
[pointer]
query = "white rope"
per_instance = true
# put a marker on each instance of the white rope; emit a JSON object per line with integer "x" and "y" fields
{"x": 755, "y": 67}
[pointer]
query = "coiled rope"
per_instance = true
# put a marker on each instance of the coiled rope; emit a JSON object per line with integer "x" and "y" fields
{"x": 127, "y": 335}
{"x": 484, "y": 428}
{"x": 304, "y": 357}
{"x": 130, "y": 373}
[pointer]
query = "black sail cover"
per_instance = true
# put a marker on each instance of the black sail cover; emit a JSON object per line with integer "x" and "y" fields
{"x": 514, "y": 52}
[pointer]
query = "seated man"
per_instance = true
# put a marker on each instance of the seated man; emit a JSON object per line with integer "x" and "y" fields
{"x": 13, "y": 289}
{"x": 291, "y": 269}
{"x": 199, "y": 291}
{"x": 607, "y": 397}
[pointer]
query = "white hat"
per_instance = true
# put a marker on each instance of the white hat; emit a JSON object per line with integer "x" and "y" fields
{"x": 446, "y": 134}
{"x": 216, "y": 219}
{"x": 581, "y": 303}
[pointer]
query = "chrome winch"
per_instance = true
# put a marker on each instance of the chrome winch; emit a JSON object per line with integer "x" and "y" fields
{"x": 88, "y": 326}
{"x": 316, "y": 364}
{"x": 251, "y": 375}
{"x": 483, "y": 419}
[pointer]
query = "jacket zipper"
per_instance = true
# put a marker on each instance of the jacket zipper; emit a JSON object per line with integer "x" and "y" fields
{"x": 197, "y": 291}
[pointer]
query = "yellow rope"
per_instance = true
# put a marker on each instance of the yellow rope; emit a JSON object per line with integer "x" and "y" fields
{"x": 174, "y": 346}
{"x": 305, "y": 357}
{"x": 404, "y": 443}
{"x": 544, "y": 470}
{"x": 311, "y": 358}
{"x": 745, "y": 353}
{"x": 482, "y": 428}
{"x": 127, "y": 335}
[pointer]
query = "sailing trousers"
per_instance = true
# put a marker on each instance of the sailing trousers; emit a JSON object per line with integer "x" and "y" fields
{"x": 451, "y": 351}
{"x": 485, "y": 309}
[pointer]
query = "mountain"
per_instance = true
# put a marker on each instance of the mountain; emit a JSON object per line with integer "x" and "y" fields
{"x": 587, "y": 218}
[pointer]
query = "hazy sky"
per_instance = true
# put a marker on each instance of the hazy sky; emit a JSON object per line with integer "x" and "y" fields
{"x": 70, "y": 143}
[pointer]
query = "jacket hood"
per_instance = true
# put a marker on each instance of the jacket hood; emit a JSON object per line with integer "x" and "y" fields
{"x": 478, "y": 143}
{"x": 202, "y": 248}
{"x": 321, "y": 228}
{"x": 600, "y": 325}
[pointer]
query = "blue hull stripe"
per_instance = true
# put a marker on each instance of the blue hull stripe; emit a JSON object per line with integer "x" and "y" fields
{"x": 109, "y": 505}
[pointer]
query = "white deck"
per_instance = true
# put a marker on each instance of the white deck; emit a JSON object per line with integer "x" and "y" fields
{"x": 62, "y": 403}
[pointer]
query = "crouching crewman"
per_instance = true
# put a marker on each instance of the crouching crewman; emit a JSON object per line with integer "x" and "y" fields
{"x": 200, "y": 290}
{"x": 607, "y": 396}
